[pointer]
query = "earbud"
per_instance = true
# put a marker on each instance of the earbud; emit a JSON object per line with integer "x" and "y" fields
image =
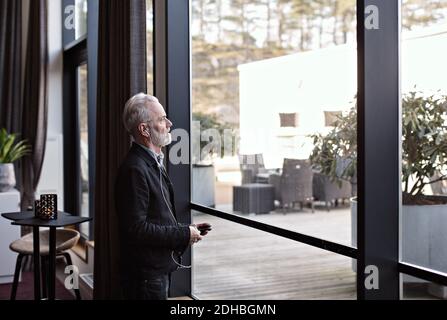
{"x": 148, "y": 132}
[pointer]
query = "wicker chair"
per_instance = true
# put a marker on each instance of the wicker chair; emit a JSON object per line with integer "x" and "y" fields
{"x": 251, "y": 165}
{"x": 294, "y": 184}
{"x": 328, "y": 191}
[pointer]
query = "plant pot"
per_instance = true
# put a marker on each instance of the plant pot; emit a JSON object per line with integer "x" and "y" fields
{"x": 7, "y": 177}
{"x": 203, "y": 180}
{"x": 423, "y": 235}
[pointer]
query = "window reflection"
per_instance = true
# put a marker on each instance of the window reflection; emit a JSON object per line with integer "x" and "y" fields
{"x": 424, "y": 141}
{"x": 238, "y": 262}
{"x": 80, "y": 18}
{"x": 83, "y": 147}
{"x": 267, "y": 78}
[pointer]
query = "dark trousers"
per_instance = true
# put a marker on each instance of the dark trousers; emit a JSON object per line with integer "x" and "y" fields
{"x": 146, "y": 288}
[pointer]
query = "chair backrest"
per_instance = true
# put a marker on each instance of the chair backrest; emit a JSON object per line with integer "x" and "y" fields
{"x": 324, "y": 189}
{"x": 250, "y": 165}
{"x": 251, "y": 160}
{"x": 65, "y": 238}
{"x": 297, "y": 166}
{"x": 296, "y": 180}
{"x": 342, "y": 165}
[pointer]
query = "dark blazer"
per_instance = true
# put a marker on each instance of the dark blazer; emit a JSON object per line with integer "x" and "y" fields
{"x": 149, "y": 233}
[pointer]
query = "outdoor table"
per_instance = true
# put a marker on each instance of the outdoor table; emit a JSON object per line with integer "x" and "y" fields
{"x": 254, "y": 198}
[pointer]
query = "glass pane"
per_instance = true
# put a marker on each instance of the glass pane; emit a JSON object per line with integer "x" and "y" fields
{"x": 274, "y": 112}
{"x": 80, "y": 18}
{"x": 424, "y": 140}
{"x": 417, "y": 289}
{"x": 83, "y": 134}
{"x": 237, "y": 262}
{"x": 150, "y": 51}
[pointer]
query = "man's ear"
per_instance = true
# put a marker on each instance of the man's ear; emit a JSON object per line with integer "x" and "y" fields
{"x": 144, "y": 130}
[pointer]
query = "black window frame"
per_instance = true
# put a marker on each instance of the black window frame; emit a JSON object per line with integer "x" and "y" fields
{"x": 378, "y": 53}
{"x": 78, "y": 52}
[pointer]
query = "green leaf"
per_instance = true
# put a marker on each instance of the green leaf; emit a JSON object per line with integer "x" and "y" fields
{"x": 424, "y": 146}
{"x": 10, "y": 152}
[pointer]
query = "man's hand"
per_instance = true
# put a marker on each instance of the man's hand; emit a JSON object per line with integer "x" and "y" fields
{"x": 194, "y": 235}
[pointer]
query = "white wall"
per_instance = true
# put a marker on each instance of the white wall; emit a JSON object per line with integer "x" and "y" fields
{"x": 309, "y": 83}
{"x": 306, "y": 83}
{"x": 423, "y": 60}
{"x": 51, "y": 180}
{"x": 55, "y": 51}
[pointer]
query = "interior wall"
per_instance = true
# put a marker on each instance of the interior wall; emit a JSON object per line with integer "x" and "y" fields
{"x": 55, "y": 52}
{"x": 51, "y": 180}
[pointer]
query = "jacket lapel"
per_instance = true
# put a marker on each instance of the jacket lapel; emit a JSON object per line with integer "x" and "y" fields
{"x": 152, "y": 163}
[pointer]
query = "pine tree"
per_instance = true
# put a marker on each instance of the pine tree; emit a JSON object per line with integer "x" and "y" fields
{"x": 417, "y": 13}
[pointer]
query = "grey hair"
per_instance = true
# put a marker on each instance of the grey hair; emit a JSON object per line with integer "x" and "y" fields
{"x": 136, "y": 111}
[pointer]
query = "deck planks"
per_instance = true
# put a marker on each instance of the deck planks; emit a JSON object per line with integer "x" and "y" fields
{"x": 237, "y": 262}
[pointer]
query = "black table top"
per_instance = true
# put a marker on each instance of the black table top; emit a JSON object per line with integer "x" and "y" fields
{"x": 15, "y": 216}
{"x": 26, "y": 218}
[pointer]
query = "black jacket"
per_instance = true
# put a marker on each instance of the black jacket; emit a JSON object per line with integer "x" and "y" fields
{"x": 148, "y": 231}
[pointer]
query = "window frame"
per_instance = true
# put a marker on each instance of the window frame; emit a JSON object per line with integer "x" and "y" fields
{"x": 376, "y": 245}
{"x": 78, "y": 52}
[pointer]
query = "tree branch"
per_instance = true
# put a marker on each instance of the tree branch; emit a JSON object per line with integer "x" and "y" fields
{"x": 443, "y": 177}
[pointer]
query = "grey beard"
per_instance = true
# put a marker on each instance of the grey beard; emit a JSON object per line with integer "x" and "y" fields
{"x": 160, "y": 139}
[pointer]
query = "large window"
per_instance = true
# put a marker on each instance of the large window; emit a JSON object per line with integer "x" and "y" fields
{"x": 265, "y": 115}
{"x": 287, "y": 97}
{"x": 81, "y": 8}
{"x": 424, "y": 141}
{"x": 238, "y": 262}
{"x": 82, "y": 103}
{"x": 79, "y": 109}
{"x": 274, "y": 88}
{"x": 74, "y": 21}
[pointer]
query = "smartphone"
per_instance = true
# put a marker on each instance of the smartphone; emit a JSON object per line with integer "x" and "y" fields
{"x": 204, "y": 227}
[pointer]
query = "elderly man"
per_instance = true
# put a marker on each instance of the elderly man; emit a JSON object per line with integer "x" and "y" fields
{"x": 151, "y": 238}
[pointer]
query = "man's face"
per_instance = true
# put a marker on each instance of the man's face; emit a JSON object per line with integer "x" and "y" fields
{"x": 160, "y": 126}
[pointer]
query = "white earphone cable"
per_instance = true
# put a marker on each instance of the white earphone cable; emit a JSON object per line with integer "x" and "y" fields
{"x": 170, "y": 210}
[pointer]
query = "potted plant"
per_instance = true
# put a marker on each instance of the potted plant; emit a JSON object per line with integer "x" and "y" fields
{"x": 10, "y": 151}
{"x": 424, "y": 156}
{"x": 335, "y": 154}
{"x": 424, "y": 147}
{"x": 203, "y": 153}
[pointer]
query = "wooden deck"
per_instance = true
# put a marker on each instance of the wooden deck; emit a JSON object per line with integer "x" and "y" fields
{"x": 237, "y": 262}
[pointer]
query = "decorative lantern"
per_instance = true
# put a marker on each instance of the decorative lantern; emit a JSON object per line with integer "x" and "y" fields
{"x": 46, "y": 207}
